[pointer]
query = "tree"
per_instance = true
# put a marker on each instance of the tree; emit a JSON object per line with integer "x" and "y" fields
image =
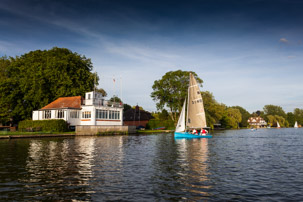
{"x": 298, "y": 115}
{"x": 171, "y": 90}
{"x": 39, "y": 77}
{"x": 231, "y": 118}
{"x": 245, "y": 116}
{"x": 291, "y": 119}
{"x": 213, "y": 110}
{"x": 102, "y": 91}
{"x": 274, "y": 110}
{"x": 126, "y": 107}
{"x": 273, "y": 119}
{"x": 115, "y": 99}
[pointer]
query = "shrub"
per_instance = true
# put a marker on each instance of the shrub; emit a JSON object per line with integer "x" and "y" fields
{"x": 43, "y": 125}
{"x": 154, "y": 123}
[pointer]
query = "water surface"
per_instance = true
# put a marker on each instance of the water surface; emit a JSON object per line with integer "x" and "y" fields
{"x": 235, "y": 165}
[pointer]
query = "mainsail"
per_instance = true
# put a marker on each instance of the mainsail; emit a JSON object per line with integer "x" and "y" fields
{"x": 278, "y": 125}
{"x": 181, "y": 122}
{"x": 195, "y": 109}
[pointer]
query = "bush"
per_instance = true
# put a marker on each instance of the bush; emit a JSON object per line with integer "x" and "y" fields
{"x": 154, "y": 123}
{"x": 44, "y": 125}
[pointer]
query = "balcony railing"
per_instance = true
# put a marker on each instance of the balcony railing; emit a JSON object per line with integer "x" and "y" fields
{"x": 106, "y": 103}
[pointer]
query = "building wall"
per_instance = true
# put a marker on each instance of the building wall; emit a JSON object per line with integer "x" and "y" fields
{"x": 98, "y": 130}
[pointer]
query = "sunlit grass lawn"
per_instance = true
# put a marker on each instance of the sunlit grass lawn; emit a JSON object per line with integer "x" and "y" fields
{"x": 6, "y": 133}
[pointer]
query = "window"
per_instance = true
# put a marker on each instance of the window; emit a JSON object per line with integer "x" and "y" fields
{"x": 88, "y": 97}
{"x": 101, "y": 114}
{"x": 86, "y": 114}
{"x": 47, "y": 114}
{"x": 74, "y": 114}
{"x": 60, "y": 114}
{"x": 114, "y": 115}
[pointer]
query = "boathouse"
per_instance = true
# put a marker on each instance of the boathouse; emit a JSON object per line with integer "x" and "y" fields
{"x": 93, "y": 110}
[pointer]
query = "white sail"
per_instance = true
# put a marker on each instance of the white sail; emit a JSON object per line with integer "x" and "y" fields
{"x": 278, "y": 125}
{"x": 296, "y": 125}
{"x": 195, "y": 108}
{"x": 181, "y": 122}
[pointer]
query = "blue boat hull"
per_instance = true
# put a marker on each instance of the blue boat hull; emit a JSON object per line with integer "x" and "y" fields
{"x": 189, "y": 135}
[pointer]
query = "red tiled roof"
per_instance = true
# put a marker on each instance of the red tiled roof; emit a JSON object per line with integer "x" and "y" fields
{"x": 65, "y": 102}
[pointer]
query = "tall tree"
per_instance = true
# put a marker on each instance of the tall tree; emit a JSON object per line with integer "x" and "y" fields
{"x": 39, "y": 77}
{"x": 171, "y": 90}
{"x": 245, "y": 116}
{"x": 231, "y": 118}
{"x": 274, "y": 110}
{"x": 213, "y": 110}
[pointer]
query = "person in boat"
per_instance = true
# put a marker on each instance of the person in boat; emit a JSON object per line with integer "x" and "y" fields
{"x": 194, "y": 131}
{"x": 203, "y": 131}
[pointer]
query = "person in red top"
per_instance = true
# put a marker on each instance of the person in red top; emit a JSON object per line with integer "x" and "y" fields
{"x": 203, "y": 131}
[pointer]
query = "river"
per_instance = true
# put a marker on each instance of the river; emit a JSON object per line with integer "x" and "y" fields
{"x": 237, "y": 165}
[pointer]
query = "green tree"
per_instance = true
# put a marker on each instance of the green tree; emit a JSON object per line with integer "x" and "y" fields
{"x": 39, "y": 77}
{"x": 298, "y": 115}
{"x": 231, "y": 118}
{"x": 274, "y": 110}
{"x": 126, "y": 107}
{"x": 171, "y": 90}
{"x": 273, "y": 119}
{"x": 245, "y": 116}
{"x": 115, "y": 99}
{"x": 291, "y": 118}
{"x": 213, "y": 110}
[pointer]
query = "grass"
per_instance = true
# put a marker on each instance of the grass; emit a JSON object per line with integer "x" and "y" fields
{"x": 154, "y": 131}
{"x": 8, "y": 133}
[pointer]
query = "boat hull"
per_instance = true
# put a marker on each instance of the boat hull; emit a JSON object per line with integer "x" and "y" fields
{"x": 189, "y": 135}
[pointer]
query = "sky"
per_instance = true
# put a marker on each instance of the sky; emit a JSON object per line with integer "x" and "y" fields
{"x": 248, "y": 53}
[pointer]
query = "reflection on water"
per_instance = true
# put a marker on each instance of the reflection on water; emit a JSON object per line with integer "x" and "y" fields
{"x": 193, "y": 158}
{"x": 236, "y": 165}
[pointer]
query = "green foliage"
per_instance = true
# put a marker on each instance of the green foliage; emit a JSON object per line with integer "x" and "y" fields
{"x": 171, "y": 90}
{"x": 156, "y": 123}
{"x": 126, "y": 107}
{"x": 115, "y": 99}
{"x": 102, "y": 91}
{"x": 291, "y": 119}
{"x": 274, "y": 110}
{"x": 44, "y": 125}
{"x": 273, "y": 119}
{"x": 231, "y": 118}
{"x": 245, "y": 116}
{"x": 213, "y": 110}
{"x": 39, "y": 77}
{"x": 298, "y": 114}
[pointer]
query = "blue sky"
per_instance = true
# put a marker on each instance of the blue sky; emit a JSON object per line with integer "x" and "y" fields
{"x": 248, "y": 53}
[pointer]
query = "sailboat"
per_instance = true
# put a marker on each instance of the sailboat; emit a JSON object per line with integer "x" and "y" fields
{"x": 195, "y": 113}
{"x": 296, "y": 125}
{"x": 278, "y": 125}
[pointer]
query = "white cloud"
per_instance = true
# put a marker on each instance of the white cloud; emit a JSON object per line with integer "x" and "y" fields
{"x": 283, "y": 40}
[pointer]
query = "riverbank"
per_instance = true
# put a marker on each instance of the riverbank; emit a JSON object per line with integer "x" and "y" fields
{"x": 154, "y": 131}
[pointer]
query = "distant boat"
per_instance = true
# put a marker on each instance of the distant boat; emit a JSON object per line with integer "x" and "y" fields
{"x": 278, "y": 125}
{"x": 195, "y": 113}
{"x": 296, "y": 125}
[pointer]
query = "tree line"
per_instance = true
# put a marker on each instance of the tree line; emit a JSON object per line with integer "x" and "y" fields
{"x": 170, "y": 91}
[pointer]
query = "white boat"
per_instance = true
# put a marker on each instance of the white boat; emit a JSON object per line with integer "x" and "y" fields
{"x": 278, "y": 125}
{"x": 296, "y": 125}
{"x": 195, "y": 113}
